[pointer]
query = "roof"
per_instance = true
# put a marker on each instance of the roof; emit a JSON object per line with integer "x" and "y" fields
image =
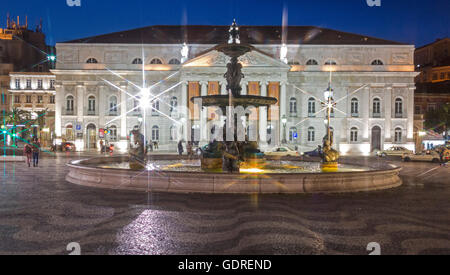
{"x": 432, "y": 43}
{"x": 207, "y": 34}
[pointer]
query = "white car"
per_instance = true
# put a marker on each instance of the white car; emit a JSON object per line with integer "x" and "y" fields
{"x": 394, "y": 151}
{"x": 432, "y": 156}
{"x": 282, "y": 151}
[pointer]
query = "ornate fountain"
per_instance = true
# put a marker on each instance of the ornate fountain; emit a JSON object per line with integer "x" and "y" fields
{"x": 231, "y": 155}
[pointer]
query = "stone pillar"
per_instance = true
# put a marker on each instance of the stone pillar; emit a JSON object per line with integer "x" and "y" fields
{"x": 283, "y": 103}
{"x": 263, "y": 117}
{"x": 387, "y": 102}
{"x": 244, "y": 87}
{"x": 103, "y": 106}
{"x": 59, "y": 105}
{"x": 81, "y": 93}
{"x": 123, "y": 113}
{"x": 223, "y": 88}
{"x": 204, "y": 114}
{"x": 184, "y": 110}
{"x": 410, "y": 112}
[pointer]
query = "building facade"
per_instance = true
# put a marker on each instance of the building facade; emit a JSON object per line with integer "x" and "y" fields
{"x": 35, "y": 94}
{"x": 99, "y": 81}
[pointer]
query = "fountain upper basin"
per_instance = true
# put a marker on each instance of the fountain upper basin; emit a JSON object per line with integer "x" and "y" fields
{"x": 170, "y": 175}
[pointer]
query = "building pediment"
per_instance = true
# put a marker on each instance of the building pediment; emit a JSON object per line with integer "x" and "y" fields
{"x": 255, "y": 58}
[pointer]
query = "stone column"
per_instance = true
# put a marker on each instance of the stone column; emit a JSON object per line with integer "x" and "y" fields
{"x": 103, "y": 102}
{"x": 59, "y": 105}
{"x": 184, "y": 110}
{"x": 223, "y": 88}
{"x": 244, "y": 87}
{"x": 387, "y": 102}
{"x": 283, "y": 103}
{"x": 81, "y": 93}
{"x": 410, "y": 112}
{"x": 123, "y": 113}
{"x": 263, "y": 117}
{"x": 204, "y": 114}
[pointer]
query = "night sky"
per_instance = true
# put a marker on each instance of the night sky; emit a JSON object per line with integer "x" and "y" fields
{"x": 416, "y": 22}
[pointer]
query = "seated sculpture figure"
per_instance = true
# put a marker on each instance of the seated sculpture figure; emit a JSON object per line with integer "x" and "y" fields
{"x": 329, "y": 155}
{"x": 137, "y": 151}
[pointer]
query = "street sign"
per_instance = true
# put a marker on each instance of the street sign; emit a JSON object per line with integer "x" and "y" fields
{"x": 295, "y": 135}
{"x": 101, "y": 133}
{"x": 78, "y": 127}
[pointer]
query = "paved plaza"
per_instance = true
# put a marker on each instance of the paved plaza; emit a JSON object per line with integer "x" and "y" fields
{"x": 40, "y": 213}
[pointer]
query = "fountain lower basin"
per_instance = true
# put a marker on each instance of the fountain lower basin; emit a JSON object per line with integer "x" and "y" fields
{"x": 171, "y": 175}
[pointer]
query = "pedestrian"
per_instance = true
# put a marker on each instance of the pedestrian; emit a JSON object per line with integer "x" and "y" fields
{"x": 36, "y": 148}
{"x": 180, "y": 147}
{"x": 28, "y": 152}
{"x": 441, "y": 157}
{"x": 102, "y": 148}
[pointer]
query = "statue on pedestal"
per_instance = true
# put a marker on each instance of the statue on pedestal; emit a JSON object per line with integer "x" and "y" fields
{"x": 137, "y": 150}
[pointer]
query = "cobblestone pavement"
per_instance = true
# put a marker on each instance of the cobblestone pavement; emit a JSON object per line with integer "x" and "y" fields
{"x": 40, "y": 213}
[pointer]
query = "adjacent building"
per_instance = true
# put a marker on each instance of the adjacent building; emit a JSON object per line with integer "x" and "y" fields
{"x": 35, "y": 93}
{"x": 99, "y": 82}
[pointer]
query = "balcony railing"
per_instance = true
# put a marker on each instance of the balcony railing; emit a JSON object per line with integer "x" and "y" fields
{"x": 91, "y": 113}
{"x": 68, "y": 112}
{"x": 376, "y": 115}
{"x": 355, "y": 114}
{"x": 398, "y": 115}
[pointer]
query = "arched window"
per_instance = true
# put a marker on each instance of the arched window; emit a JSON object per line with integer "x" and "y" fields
{"x": 311, "y": 134}
{"x": 173, "y": 133}
{"x": 91, "y": 104}
{"x": 69, "y": 103}
{"x": 311, "y": 107}
{"x": 312, "y": 62}
{"x": 354, "y": 107}
{"x": 155, "y": 133}
{"x": 173, "y": 105}
{"x": 156, "y": 61}
{"x": 354, "y": 134}
{"x": 113, "y": 105}
{"x": 377, "y": 62}
{"x": 113, "y": 133}
{"x": 398, "y": 135}
{"x": 330, "y": 62}
{"x": 293, "y": 106}
{"x": 398, "y": 107}
{"x": 376, "y": 107}
{"x": 174, "y": 61}
{"x": 91, "y": 61}
{"x": 293, "y": 135}
{"x": 155, "y": 108}
{"x": 137, "y": 61}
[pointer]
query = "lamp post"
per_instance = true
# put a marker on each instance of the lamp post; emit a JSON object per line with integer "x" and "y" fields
{"x": 284, "y": 121}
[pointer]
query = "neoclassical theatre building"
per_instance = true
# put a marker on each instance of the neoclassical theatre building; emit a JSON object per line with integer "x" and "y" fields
{"x": 99, "y": 81}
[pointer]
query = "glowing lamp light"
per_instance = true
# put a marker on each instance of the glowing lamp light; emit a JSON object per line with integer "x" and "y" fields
{"x": 51, "y": 58}
{"x": 422, "y": 133}
{"x": 145, "y": 98}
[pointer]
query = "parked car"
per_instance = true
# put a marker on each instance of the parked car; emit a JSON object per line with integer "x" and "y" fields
{"x": 282, "y": 151}
{"x": 313, "y": 153}
{"x": 68, "y": 147}
{"x": 394, "y": 151}
{"x": 429, "y": 155}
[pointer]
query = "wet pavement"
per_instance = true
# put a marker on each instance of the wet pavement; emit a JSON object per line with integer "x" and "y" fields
{"x": 40, "y": 213}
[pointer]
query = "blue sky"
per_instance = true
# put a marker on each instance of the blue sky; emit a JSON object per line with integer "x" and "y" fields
{"x": 416, "y": 22}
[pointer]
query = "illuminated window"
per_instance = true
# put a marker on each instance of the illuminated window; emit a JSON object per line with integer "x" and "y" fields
{"x": 174, "y": 61}
{"x": 156, "y": 61}
{"x": 312, "y": 62}
{"x": 311, "y": 134}
{"x": 377, "y": 62}
{"x": 354, "y": 134}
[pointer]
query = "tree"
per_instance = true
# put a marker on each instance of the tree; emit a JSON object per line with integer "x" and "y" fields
{"x": 439, "y": 120}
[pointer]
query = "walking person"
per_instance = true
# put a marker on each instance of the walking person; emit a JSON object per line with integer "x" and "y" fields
{"x": 36, "y": 148}
{"x": 441, "y": 157}
{"x": 28, "y": 152}
{"x": 180, "y": 148}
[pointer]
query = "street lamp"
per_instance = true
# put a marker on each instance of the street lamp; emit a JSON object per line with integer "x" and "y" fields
{"x": 284, "y": 121}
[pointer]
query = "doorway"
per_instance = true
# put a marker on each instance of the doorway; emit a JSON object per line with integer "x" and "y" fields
{"x": 376, "y": 138}
{"x": 91, "y": 137}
